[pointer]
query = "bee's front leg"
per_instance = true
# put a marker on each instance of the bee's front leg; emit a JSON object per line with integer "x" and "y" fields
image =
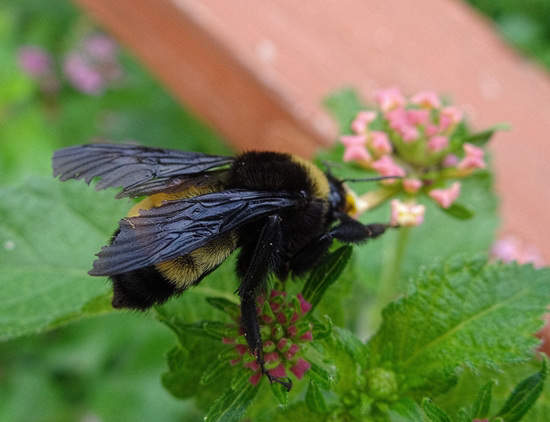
{"x": 259, "y": 266}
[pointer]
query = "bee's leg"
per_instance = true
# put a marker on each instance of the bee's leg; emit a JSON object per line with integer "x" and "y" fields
{"x": 349, "y": 231}
{"x": 352, "y": 231}
{"x": 260, "y": 265}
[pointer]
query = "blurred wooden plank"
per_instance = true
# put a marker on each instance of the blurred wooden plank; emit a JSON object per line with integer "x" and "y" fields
{"x": 222, "y": 89}
{"x": 258, "y": 71}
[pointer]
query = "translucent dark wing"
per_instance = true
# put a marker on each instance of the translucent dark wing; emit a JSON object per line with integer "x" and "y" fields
{"x": 138, "y": 170}
{"x": 181, "y": 226}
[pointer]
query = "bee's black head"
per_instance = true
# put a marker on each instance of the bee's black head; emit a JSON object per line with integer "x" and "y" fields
{"x": 337, "y": 195}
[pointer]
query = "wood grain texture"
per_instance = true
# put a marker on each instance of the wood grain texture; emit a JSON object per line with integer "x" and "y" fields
{"x": 258, "y": 72}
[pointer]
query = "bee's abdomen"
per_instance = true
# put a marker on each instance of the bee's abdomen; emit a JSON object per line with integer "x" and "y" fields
{"x": 141, "y": 289}
{"x": 187, "y": 270}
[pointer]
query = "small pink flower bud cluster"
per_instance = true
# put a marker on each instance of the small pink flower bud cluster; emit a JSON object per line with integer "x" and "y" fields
{"x": 285, "y": 335}
{"x": 412, "y": 139}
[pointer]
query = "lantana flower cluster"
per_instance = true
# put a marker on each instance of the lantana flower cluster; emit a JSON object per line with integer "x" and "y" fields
{"x": 415, "y": 139}
{"x": 285, "y": 334}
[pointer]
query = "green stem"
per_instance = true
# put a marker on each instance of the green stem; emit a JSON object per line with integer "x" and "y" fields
{"x": 390, "y": 277}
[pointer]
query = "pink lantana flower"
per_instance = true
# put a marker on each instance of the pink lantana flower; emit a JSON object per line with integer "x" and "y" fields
{"x": 355, "y": 148}
{"x": 449, "y": 117}
{"x": 446, "y": 197}
{"x": 418, "y": 116}
{"x": 397, "y": 118}
{"x": 387, "y": 167}
{"x": 362, "y": 120}
{"x": 379, "y": 143}
{"x": 472, "y": 160}
{"x": 450, "y": 160}
{"x": 285, "y": 333}
{"x": 389, "y": 98}
{"x": 406, "y": 214}
{"x": 438, "y": 143}
{"x": 300, "y": 368}
{"x": 426, "y": 99}
{"x": 409, "y": 133}
{"x": 412, "y": 185}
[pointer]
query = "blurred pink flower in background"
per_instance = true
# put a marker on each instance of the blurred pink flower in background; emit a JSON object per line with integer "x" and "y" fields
{"x": 90, "y": 68}
{"x": 35, "y": 61}
{"x": 39, "y": 64}
{"x": 93, "y": 65}
{"x": 510, "y": 248}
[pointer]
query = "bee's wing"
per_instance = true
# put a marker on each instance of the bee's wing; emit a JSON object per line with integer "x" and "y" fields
{"x": 178, "y": 227}
{"x": 138, "y": 170}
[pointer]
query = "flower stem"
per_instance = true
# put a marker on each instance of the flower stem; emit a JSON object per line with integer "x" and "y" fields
{"x": 374, "y": 198}
{"x": 390, "y": 276}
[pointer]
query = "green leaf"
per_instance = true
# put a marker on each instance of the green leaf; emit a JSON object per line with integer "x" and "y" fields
{"x": 212, "y": 329}
{"x": 324, "y": 275}
{"x": 344, "y": 105}
{"x": 219, "y": 369}
{"x": 321, "y": 330}
{"x": 232, "y": 405}
{"x": 472, "y": 381}
{"x": 434, "y": 413}
{"x": 320, "y": 376}
{"x": 352, "y": 345}
{"x": 463, "y": 311}
{"x": 459, "y": 211}
{"x": 49, "y": 233}
{"x": 225, "y": 305}
{"x": 463, "y": 415}
{"x": 524, "y": 395}
{"x": 483, "y": 401}
{"x": 405, "y": 410}
{"x": 481, "y": 138}
{"x": 280, "y": 392}
{"x": 175, "y": 380}
{"x": 192, "y": 362}
{"x": 314, "y": 399}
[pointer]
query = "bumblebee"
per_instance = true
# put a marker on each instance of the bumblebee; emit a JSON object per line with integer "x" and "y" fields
{"x": 280, "y": 210}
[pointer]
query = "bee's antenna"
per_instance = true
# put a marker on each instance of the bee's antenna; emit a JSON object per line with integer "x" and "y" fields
{"x": 371, "y": 179}
{"x": 329, "y": 165}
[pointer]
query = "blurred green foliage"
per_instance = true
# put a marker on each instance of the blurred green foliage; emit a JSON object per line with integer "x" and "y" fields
{"x": 525, "y": 24}
{"x": 33, "y": 124}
